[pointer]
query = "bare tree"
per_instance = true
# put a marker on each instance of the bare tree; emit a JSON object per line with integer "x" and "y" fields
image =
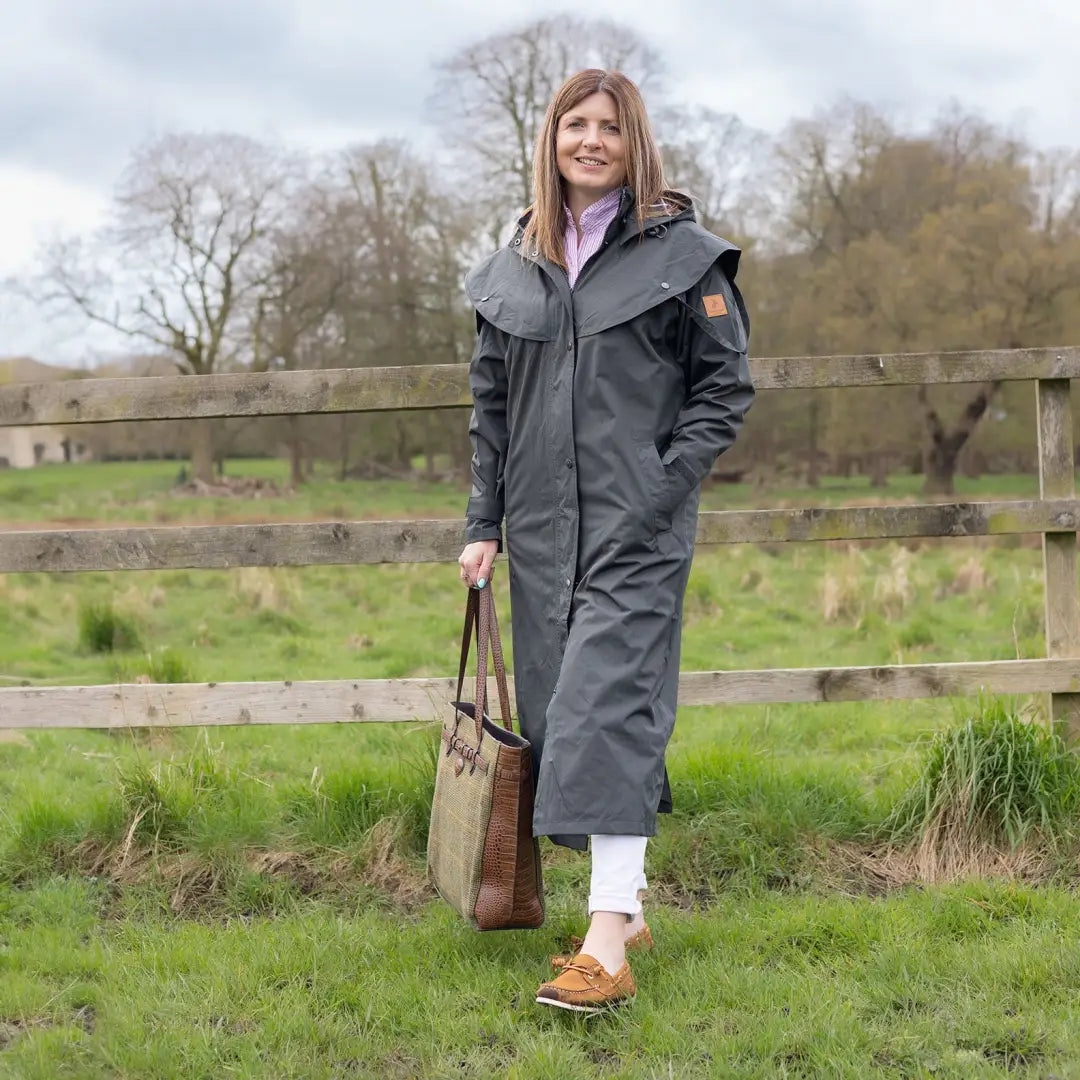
{"x": 295, "y": 323}
{"x": 490, "y": 97}
{"x": 715, "y": 158}
{"x": 408, "y": 238}
{"x": 183, "y": 255}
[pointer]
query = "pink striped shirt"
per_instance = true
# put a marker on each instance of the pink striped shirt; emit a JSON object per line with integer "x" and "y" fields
{"x": 594, "y": 223}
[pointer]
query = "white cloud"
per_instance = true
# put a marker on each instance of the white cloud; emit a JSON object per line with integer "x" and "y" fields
{"x": 83, "y": 81}
{"x": 35, "y": 205}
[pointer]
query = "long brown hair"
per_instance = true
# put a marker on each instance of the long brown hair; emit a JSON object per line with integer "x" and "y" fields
{"x": 644, "y": 169}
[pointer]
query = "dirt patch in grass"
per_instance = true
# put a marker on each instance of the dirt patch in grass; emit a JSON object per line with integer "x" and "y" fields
{"x": 385, "y": 868}
{"x": 11, "y": 1029}
{"x": 290, "y": 866}
{"x": 238, "y": 487}
{"x": 197, "y": 885}
{"x": 859, "y": 868}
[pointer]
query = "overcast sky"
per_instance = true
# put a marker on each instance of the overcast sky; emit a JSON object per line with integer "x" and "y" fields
{"x": 84, "y": 81}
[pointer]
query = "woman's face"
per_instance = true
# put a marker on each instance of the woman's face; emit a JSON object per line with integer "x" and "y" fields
{"x": 589, "y": 146}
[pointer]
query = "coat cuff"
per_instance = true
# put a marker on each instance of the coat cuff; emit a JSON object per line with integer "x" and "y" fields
{"x": 680, "y": 482}
{"x": 481, "y": 529}
{"x": 687, "y": 477}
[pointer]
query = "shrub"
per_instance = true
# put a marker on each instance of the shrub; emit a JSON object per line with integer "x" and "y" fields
{"x": 103, "y": 629}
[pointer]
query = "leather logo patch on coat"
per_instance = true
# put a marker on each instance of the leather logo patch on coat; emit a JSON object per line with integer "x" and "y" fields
{"x": 715, "y": 305}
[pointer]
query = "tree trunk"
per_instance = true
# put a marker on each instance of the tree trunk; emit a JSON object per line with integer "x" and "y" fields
{"x": 939, "y": 469}
{"x": 296, "y": 453}
{"x": 812, "y": 466}
{"x": 941, "y": 457}
{"x": 201, "y": 435}
{"x": 343, "y": 469}
{"x": 404, "y": 461}
{"x": 431, "y": 447}
{"x": 461, "y": 455}
{"x": 879, "y": 470}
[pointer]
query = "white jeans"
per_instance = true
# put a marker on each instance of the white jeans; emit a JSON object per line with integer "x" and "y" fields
{"x": 618, "y": 871}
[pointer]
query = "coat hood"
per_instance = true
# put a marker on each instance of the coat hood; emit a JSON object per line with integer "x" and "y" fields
{"x": 648, "y": 263}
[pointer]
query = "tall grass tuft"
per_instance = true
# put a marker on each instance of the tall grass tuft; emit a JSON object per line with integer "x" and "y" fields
{"x": 104, "y": 629}
{"x": 168, "y": 666}
{"x": 151, "y": 809}
{"x": 163, "y": 665}
{"x": 337, "y": 808}
{"x": 991, "y": 789}
{"x": 170, "y": 802}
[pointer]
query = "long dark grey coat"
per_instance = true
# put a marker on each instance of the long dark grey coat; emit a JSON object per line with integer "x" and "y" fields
{"x": 597, "y": 412}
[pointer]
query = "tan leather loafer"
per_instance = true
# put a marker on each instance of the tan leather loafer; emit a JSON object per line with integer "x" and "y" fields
{"x": 584, "y": 985}
{"x": 641, "y": 940}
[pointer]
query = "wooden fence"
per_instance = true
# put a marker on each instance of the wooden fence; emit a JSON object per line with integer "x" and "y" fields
{"x": 1055, "y": 514}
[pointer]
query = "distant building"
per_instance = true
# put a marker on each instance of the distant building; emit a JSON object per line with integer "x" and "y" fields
{"x": 25, "y": 447}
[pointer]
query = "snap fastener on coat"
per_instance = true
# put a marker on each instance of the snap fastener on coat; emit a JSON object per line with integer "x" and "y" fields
{"x": 664, "y": 285}
{"x": 569, "y": 346}
{"x": 483, "y": 299}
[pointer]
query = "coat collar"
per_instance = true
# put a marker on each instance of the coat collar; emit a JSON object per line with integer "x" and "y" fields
{"x": 679, "y": 207}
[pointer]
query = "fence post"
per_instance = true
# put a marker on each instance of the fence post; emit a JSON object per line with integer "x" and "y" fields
{"x": 1056, "y": 480}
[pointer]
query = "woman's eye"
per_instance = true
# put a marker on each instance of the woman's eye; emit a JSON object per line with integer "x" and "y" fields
{"x": 613, "y": 128}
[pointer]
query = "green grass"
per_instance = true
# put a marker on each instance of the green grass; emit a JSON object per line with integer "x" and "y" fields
{"x": 250, "y": 901}
{"x": 141, "y": 493}
{"x": 968, "y": 981}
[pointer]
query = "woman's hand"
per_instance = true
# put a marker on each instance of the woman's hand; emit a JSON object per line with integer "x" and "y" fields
{"x": 475, "y": 562}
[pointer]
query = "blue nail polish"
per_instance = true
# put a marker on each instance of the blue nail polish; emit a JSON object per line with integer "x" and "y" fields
{"x": 481, "y": 583}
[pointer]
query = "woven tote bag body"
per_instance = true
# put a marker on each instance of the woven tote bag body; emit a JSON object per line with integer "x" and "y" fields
{"x": 482, "y": 857}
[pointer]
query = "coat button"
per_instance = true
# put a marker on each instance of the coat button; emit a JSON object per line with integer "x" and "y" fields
{"x": 567, "y": 581}
{"x": 569, "y": 462}
{"x": 569, "y": 346}
{"x": 664, "y": 285}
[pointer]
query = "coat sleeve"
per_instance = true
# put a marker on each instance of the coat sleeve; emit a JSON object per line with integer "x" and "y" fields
{"x": 714, "y": 337}
{"x": 488, "y": 434}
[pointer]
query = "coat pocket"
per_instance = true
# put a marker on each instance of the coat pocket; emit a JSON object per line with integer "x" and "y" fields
{"x": 659, "y": 484}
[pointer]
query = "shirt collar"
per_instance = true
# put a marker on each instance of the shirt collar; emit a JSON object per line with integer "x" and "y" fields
{"x": 607, "y": 206}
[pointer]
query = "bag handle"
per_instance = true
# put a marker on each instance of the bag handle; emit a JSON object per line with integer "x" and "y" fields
{"x": 480, "y": 613}
{"x": 489, "y": 637}
{"x": 471, "y": 608}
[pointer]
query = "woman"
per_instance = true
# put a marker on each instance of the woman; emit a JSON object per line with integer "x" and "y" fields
{"x": 609, "y": 372}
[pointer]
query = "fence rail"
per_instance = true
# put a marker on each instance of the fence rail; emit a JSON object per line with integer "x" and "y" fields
{"x": 441, "y": 386}
{"x": 336, "y": 701}
{"x": 1055, "y": 514}
{"x": 206, "y": 547}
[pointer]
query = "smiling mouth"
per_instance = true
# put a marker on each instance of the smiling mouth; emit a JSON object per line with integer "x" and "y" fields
{"x": 589, "y": 161}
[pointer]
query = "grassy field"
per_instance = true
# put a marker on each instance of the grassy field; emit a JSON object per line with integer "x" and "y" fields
{"x": 251, "y": 902}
